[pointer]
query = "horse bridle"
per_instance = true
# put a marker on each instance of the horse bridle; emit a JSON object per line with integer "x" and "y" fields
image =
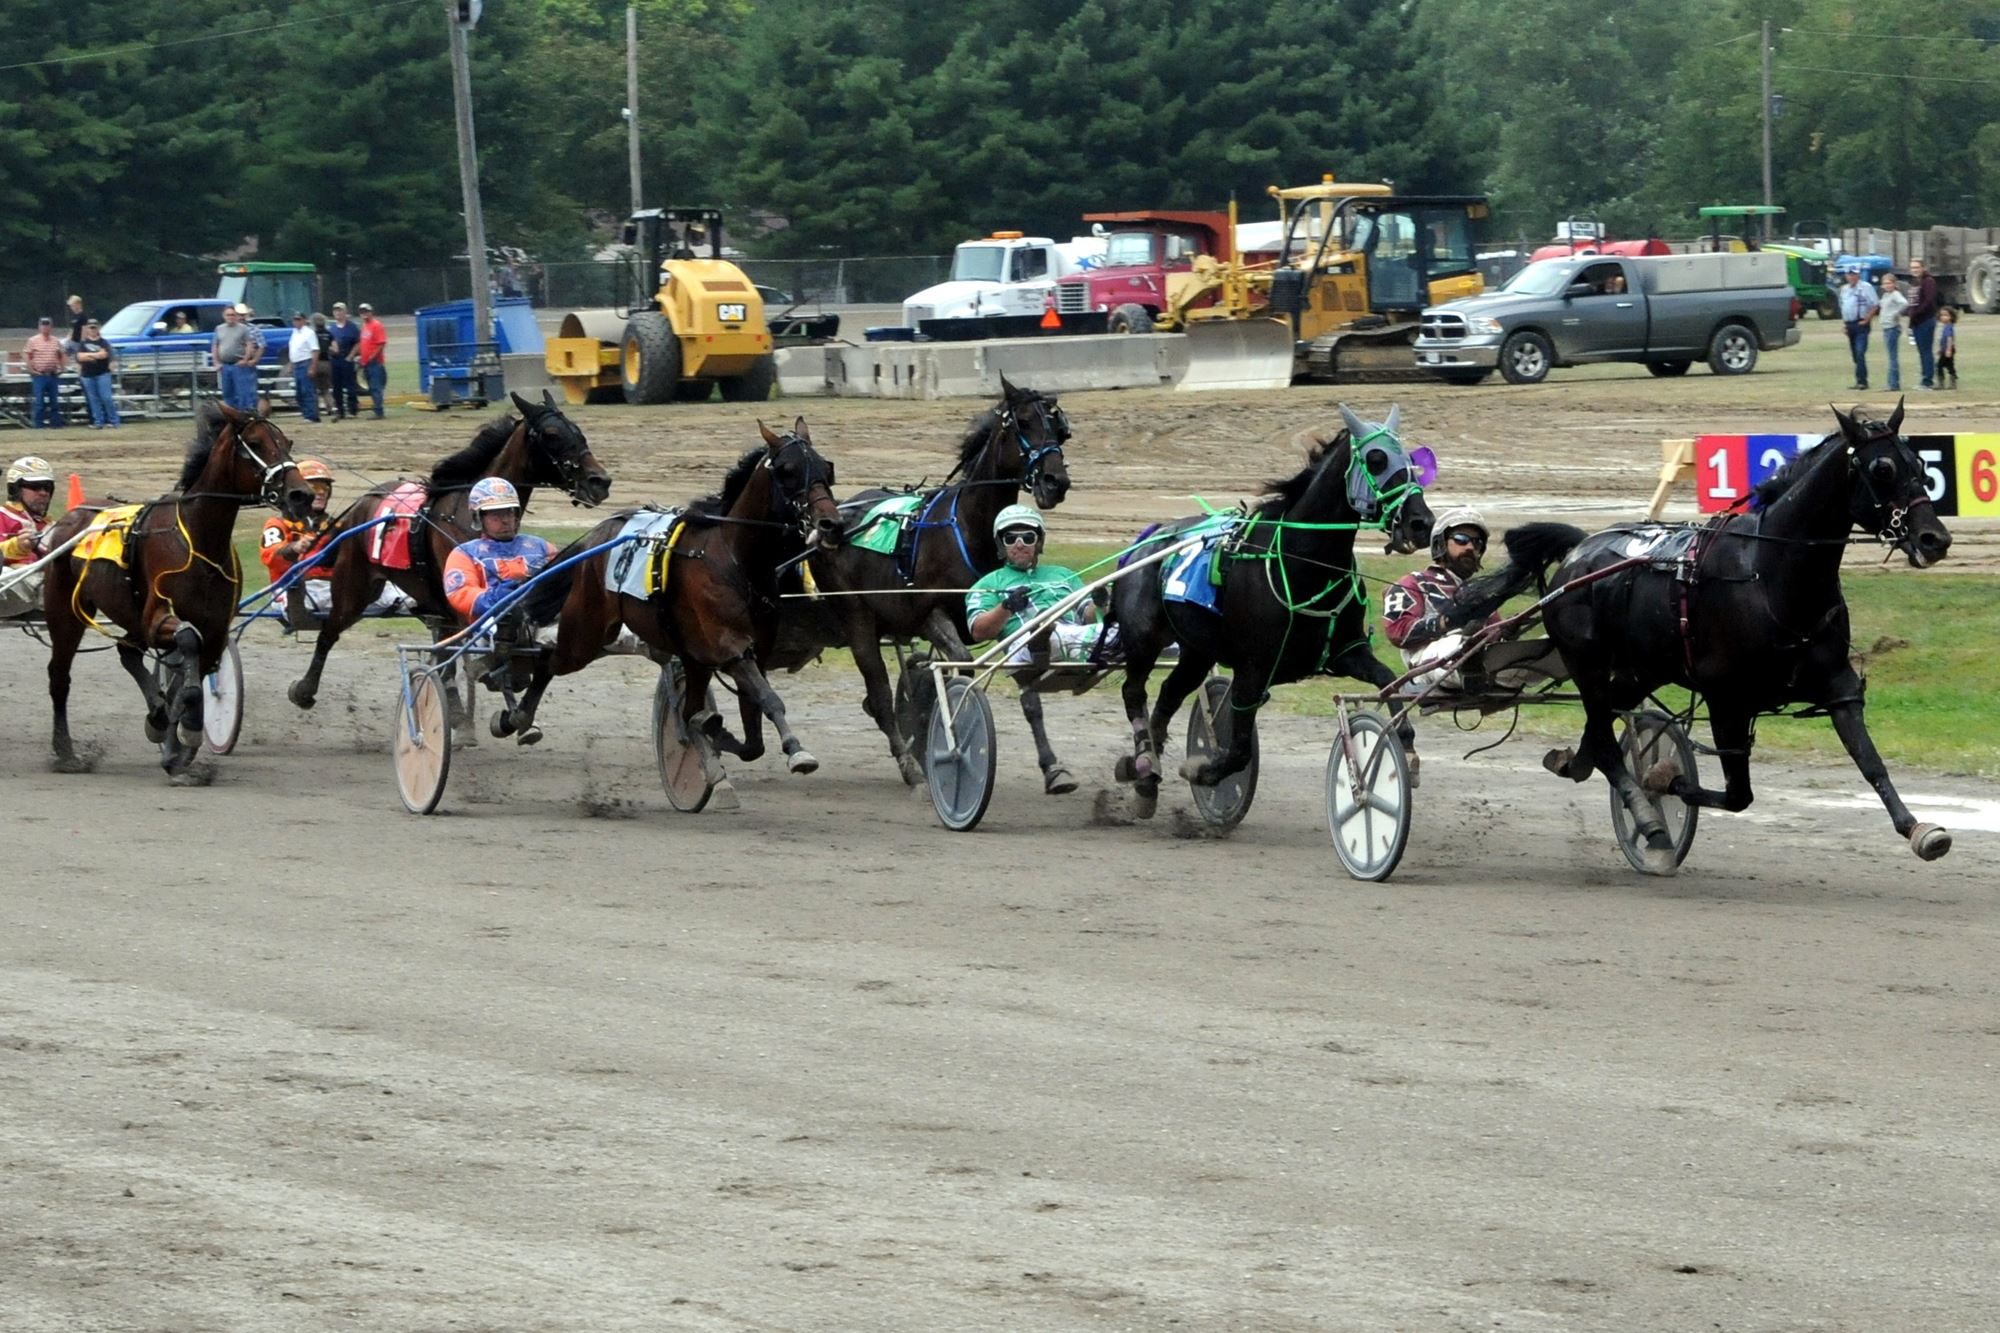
{"x": 1383, "y": 504}
{"x": 799, "y": 506}
{"x": 269, "y": 492}
{"x": 569, "y": 470}
{"x": 1895, "y": 532}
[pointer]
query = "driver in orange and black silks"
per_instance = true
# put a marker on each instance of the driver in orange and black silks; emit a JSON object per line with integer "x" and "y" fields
{"x": 290, "y": 540}
{"x": 483, "y": 572}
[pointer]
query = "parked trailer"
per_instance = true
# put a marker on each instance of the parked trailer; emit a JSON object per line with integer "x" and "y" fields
{"x": 1964, "y": 260}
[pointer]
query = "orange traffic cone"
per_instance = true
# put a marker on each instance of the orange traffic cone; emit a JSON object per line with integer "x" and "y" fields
{"x": 75, "y": 492}
{"x": 1050, "y": 319}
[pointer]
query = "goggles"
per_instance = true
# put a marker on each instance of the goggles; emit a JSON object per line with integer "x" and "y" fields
{"x": 1020, "y": 537}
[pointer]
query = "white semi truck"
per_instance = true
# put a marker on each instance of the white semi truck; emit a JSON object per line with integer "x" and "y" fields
{"x": 1000, "y": 285}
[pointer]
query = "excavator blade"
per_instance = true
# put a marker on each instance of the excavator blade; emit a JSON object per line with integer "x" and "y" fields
{"x": 1238, "y": 354}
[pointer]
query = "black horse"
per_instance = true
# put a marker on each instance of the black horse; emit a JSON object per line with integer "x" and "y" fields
{"x": 1749, "y": 615}
{"x": 920, "y": 590}
{"x": 1290, "y": 604}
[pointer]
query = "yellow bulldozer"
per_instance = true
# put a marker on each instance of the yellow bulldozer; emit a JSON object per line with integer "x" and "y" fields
{"x": 1338, "y": 300}
{"x": 690, "y": 322}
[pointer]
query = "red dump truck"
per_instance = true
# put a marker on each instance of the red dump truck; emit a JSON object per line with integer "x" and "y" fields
{"x": 1142, "y": 251}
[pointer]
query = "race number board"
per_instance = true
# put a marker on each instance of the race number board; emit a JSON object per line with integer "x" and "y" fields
{"x": 1961, "y": 472}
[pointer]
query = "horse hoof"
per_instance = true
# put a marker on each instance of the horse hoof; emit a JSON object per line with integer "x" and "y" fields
{"x": 156, "y": 730}
{"x": 913, "y": 772}
{"x": 500, "y": 724}
{"x": 1192, "y": 768}
{"x": 1058, "y": 781}
{"x": 530, "y": 735}
{"x": 1930, "y": 841}
{"x": 1659, "y": 779}
{"x": 799, "y": 761}
{"x": 300, "y": 696}
{"x": 1416, "y": 771}
{"x": 1659, "y": 861}
{"x": 1558, "y": 761}
{"x": 724, "y": 797}
{"x": 1146, "y": 800}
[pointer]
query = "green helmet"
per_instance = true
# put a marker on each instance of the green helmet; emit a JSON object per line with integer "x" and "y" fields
{"x": 1018, "y": 516}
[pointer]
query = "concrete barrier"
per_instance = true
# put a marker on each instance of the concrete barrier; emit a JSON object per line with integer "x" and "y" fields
{"x": 526, "y": 373}
{"x": 973, "y": 369}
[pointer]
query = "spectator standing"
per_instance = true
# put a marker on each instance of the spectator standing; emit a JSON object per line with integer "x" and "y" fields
{"x": 236, "y": 348}
{"x": 322, "y": 367}
{"x": 1947, "y": 353}
{"x": 44, "y": 356}
{"x": 95, "y": 361}
{"x": 346, "y": 335}
{"x": 301, "y": 352}
{"x": 373, "y": 355}
{"x": 1857, "y": 313}
{"x": 77, "y": 318}
{"x": 1889, "y": 315}
{"x": 1923, "y": 318}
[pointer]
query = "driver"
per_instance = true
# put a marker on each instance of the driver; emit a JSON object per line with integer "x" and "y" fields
{"x": 1001, "y": 602}
{"x": 483, "y": 571}
{"x": 23, "y": 519}
{"x": 288, "y": 541}
{"x": 1416, "y": 610}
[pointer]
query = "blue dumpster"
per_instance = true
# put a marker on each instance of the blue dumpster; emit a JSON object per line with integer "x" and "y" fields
{"x": 453, "y": 367}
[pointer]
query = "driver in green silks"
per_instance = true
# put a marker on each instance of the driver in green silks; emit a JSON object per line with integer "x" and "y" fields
{"x": 1001, "y": 602}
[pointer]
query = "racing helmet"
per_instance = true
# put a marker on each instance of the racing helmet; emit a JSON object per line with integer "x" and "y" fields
{"x": 28, "y": 471}
{"x": 313, "y": 470}
{"x": 1019, "y": 516}
{"x": 1458, "y": 516}
{"x": 490, "y": 493}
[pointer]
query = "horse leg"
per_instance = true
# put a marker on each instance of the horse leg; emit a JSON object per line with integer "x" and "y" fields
{"x": 1360, "y": 663}
{"x": 65, "y": 634}
{"x": 750, "y": 679}
{"x": 1928, "y": 841}
{"x": 347, "y": 598}
{"x": 183, "y": 661}
{"x": 1602, "y": 752}
{"x": 1141, "y": 767}
{"x": 1056, "y": 780}
{"x": 879, "y": 698}
{"x": 134, "y": 662}
{"x": 1250, "y": 682}
{"x": 943, "y": 635}
{"x": 1732, "y": 739}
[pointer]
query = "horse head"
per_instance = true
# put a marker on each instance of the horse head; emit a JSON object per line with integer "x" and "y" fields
{"x": 1385, "y": 482}
{"x": 1890, "y": 497}
{"x": 258, "y": 462}
{"x": 1036, "y": 428}
{"x": 802, "y": 483}
{"x": 562, "y": 455}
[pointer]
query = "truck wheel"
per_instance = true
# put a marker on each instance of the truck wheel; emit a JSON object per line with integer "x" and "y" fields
{"x": 1525, "y": 358}
{"x": 1734, "y": 351}
{"x": 1130, "y": 319}
{"x": 753, "y": 385}
{"x": 1982, "y": 284}
{"x": 1464, "y": 377}
{"x": 1667, "y": 370}
{"x": 649, "y": 359}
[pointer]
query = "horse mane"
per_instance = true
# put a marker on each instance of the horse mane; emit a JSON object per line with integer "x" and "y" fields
{"x": 976, "y": 436}
{"x": 1765, "y": 492}
{"x": 208, "y": 424}
{"x": 732, "y": 485}
{"x": 472, "y": 462}
{"x": 1284, "y": 492}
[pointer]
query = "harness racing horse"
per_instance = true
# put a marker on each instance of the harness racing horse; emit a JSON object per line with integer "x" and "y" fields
{"x": 1752, "y": 619}
{"x": 1014, "y": 446}
{"x": 177, "y": 590}
{"x": 718, "y": 610}
{"x": 539, "y": 447}
{"x": 1290, "y": 603}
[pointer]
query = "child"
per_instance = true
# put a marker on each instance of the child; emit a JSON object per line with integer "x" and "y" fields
{"x": 1947, "y": 362}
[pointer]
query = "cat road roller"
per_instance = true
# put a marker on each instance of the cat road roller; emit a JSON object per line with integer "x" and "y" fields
{"x": 691, "y": 322}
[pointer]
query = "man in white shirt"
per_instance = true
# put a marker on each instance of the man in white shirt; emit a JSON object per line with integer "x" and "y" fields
{"x": 304, "y": 351}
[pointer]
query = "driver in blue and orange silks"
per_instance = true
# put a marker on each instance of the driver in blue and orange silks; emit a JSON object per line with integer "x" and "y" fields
{"x": 484, "y": 571}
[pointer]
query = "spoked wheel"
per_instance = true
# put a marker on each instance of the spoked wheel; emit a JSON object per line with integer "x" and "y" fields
{"x": 915, "y": 694}
{"x": 1368, "y": 798}
{"x": 421, "y": 747}
{"x": 1651, "y": 740}
{"x": 222, "y": 702}
{"x": 961, "y": 760}
{"x": 1212, "y": 725}
{"x": 689, "y": 771}
{"x": 167, "y": 680}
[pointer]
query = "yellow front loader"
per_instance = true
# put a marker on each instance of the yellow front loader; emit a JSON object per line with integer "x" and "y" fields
{"x": 702, "y": 326}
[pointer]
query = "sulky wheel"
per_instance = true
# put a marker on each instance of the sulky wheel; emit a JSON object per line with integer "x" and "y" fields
{"x": 421, "y": 746}
{"x": 1654, "y": 743}
{"x": 222, "y": 702}
{"x": 689, "y": 771}
{"x": 1212, "y": 724}
{"x": 1368, "y": 798}
{"x": 960, "y": 766}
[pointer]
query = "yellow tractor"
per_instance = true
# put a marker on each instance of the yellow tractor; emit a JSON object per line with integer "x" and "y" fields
{"x": 1340, "y": 297}
{"x": 691, "y": 322}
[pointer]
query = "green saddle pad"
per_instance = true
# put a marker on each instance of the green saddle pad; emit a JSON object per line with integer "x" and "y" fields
{"x": 881, "y": 527}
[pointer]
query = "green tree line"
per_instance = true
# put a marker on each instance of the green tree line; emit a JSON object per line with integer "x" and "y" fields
{"x": 322, "y": 129}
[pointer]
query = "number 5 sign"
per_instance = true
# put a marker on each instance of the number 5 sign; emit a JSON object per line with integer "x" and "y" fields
{"x": 1961, "y": 472}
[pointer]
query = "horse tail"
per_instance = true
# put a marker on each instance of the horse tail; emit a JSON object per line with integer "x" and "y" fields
{"x": 1531, "y": 549}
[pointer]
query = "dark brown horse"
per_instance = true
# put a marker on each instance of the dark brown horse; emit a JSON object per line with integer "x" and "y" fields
{"x": 177, "y": 591}
{"x": 719, "y": 609}
{"x": 539, "y": 447}
{"x": 920, "y": 591}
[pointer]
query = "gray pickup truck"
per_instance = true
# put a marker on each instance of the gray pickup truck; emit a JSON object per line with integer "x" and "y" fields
{"x": 1667, "y": 311}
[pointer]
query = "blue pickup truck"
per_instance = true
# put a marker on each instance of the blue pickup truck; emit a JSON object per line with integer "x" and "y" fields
{"x": 154, "y": 360}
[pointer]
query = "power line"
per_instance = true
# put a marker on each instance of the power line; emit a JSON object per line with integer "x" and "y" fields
{"x": 108, "y": 52}
{"x": 1885, "y": 36}
{"x": 1884, "y": 74}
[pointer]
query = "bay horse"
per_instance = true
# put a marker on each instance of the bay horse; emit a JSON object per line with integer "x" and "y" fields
{"x": 1014, "y": 446}
{"x": 1751, "y": 617}
{"x": 540, "y": 447}
{"x": 719, "y": 609}
{"x": 177, "y": 592}
{"x": 1291, "y": 604}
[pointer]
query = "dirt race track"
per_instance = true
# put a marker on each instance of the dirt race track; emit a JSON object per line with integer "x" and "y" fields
{"x": 276, "y": 1056}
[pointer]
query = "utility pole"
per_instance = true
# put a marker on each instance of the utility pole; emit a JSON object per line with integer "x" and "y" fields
{"x": 1767, "y": 126}
{"x": 459, "y": 18}
{"x": 632, "y": 97}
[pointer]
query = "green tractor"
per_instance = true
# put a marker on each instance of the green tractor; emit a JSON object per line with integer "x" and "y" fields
{"x": 1805, "y": 267}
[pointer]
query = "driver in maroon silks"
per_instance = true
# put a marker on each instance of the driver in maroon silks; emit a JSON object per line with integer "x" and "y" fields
{"x": 1417, "y": 609}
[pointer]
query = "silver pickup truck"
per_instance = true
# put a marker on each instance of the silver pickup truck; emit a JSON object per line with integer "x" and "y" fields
{"x": 1667, "y": 312}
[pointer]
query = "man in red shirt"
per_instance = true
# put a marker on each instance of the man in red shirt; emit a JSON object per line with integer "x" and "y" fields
{"x": 46, "y": 361}
{"x": 372, "y": 354}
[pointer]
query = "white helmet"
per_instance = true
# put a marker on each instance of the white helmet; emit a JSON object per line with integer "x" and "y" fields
{"x": 1458, "y": 516}
{"x": 1018, "y": 516}
{"x": 28, "y": 471}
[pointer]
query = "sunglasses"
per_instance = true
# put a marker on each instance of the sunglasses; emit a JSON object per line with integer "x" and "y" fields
{"x": 1467, "y": 539}
{"x": 1020, "y": 537}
